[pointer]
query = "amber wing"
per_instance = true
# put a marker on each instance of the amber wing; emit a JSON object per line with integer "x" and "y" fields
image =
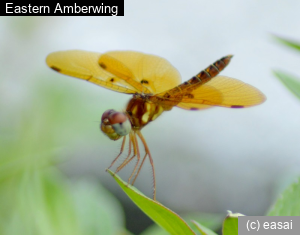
{"x": 122, "y": 71}
{"x": 219, "y": 91}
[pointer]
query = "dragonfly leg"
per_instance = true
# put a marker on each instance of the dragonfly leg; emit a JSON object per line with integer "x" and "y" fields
{"x": 151, "y": 162}
{"x": 121, "y": 151}
{"x": 137, "y": 151}
{"x": 127, "y": 159}
{"x": 140, "y": 167}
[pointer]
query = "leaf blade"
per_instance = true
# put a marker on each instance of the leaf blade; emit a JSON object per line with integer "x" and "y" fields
{"x": 288, "y": 204}
{"x": 287, "y": 42}
{"x": 291, "y": 82}
{"x": 203, "y": 230}
{"x": 160, "y": 214}
{"x": 230, "y": 224}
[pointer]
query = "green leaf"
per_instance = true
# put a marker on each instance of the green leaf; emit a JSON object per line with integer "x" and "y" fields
{"x": 203, "y": 230}
{"x": 211, "y": 221}
{"x": 289, "y": 43}
{"x": 288, "y": 204}
{"x": 292, "y": 83}
{"x": 230, "y": 224}
{"x": 160, "y": 214}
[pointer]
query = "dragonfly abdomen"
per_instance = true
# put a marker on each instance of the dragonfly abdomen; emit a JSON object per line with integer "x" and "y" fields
{"x": 174, "y": 96}
{"x": 211, "y": 71}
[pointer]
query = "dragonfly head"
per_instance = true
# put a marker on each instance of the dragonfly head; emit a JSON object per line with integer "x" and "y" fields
{"x": 115, "y": 124}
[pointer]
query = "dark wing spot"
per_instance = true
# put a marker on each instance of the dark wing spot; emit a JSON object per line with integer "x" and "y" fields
{"x": 55, "y": 68}
{"x": 237, "y": 106}
{"x": 193, "y": 109}
{"x": 112, "y": 80}
{"x": 102, "y": 65}
{"x": 144, "y": 81}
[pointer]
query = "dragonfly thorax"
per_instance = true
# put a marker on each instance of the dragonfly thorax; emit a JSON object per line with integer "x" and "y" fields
{"x": 141, "y": 111}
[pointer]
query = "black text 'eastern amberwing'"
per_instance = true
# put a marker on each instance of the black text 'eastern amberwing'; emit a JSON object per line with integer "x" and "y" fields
{"x": 155, "y": 86}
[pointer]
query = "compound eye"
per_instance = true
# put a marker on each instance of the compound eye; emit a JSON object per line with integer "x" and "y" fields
{"x": 120, "y": 123}
{"x": 107, "y": 113}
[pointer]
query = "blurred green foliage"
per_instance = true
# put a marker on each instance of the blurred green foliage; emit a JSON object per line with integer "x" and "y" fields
{"x": 35, "y": 197}
{"x": 291, "y": 82}
{"x": 292, "y": 44}
{"x": 288, "y": 204}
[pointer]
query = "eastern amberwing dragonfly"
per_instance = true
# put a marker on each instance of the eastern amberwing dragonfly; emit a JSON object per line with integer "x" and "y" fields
{"x": 155, "y": 86}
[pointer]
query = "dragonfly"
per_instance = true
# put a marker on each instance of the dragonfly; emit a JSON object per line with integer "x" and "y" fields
{"x": 155, "y": 86}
